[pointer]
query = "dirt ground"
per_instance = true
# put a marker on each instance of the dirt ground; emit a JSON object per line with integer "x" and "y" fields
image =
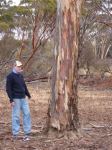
{"x": 95, "y": 113}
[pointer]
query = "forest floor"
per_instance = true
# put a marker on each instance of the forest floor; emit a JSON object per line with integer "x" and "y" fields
{"x": 95, "y": 113}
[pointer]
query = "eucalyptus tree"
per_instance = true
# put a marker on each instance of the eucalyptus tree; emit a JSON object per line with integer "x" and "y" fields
{"x": 41, "y": 22}
{"x": 96, "y": 31}
{"x": 31, "y": 23}
{"x": 8, "y": 43}
{"x": 63, "y": 108}
{"x": 6, "y": 18}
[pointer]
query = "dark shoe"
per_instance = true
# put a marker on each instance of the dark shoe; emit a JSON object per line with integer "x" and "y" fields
{"x": 26, "y": 138}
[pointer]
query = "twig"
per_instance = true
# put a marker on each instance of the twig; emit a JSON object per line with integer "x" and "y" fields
{"x": 100, "y": 126}
{"x": 106, "y": 135}
{"x": 50, "y": 140}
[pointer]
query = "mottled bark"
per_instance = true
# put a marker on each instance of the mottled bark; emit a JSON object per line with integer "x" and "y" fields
{"x": 63, "y": 109}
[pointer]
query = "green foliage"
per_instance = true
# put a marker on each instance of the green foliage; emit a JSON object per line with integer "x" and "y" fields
{"x": 21, "y": 10}
{"x": 6, "y": 17}
{"x": 23, "y": 18}
{"x": 12, "y": 16}
{"x": 48, "y": 5}
{"x": 44, "y": 5}
{"x": 3, "y": 26}
{"x": 6, "y": 21}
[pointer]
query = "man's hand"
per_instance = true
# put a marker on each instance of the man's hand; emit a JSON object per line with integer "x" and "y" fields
{"x": 29, "y": 97}
{"x": 12, "y": 104}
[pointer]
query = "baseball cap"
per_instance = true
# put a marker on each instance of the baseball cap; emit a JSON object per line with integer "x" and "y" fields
{"x": 18, "y": 63}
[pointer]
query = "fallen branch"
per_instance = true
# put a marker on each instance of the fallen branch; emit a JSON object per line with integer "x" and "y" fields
{"x": 52, "y": 140}
{"x": 100, "y": 126}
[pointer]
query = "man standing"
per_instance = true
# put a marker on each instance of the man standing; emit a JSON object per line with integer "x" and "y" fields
{"x": 17, "y": 91}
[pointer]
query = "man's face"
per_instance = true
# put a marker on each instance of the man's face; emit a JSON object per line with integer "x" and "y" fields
{"x": 19, "y": 69}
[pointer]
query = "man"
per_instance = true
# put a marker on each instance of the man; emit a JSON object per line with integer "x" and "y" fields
{"x": 17, "y": 92}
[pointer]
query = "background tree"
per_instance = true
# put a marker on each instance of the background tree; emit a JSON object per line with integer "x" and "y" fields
{"x": 42, "y": 14}
{"x": 32, "y": 26}
{"x": 95, "y": 31}
{"x": 29, "y": 29}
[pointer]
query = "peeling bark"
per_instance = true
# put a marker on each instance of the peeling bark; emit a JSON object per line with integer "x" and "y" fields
{"x": 63, "y": 109}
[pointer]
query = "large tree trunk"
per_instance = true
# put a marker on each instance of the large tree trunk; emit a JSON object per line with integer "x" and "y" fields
{"x": 63, "y": 108}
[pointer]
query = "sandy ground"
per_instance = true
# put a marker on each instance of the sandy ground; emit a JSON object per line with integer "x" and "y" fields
{"x": 95, "y": 112}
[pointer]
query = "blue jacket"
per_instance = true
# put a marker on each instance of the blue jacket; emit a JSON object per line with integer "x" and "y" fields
{"x": 16, "y": 87}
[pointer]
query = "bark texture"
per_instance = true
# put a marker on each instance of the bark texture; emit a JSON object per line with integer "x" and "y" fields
{"x": 63, "y": 108}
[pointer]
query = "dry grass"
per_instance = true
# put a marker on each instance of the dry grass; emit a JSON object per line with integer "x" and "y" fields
{"x": 95, "y": 111}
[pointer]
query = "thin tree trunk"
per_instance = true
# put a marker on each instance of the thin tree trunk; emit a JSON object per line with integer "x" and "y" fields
{"x": 63, "y": 108}
{"x": 107, "y": 50}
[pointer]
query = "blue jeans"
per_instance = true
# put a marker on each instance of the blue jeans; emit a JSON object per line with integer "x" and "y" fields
{"x": 21, "y": 105}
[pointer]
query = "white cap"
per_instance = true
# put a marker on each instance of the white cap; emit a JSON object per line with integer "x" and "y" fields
{"x": 18, "y": 63}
